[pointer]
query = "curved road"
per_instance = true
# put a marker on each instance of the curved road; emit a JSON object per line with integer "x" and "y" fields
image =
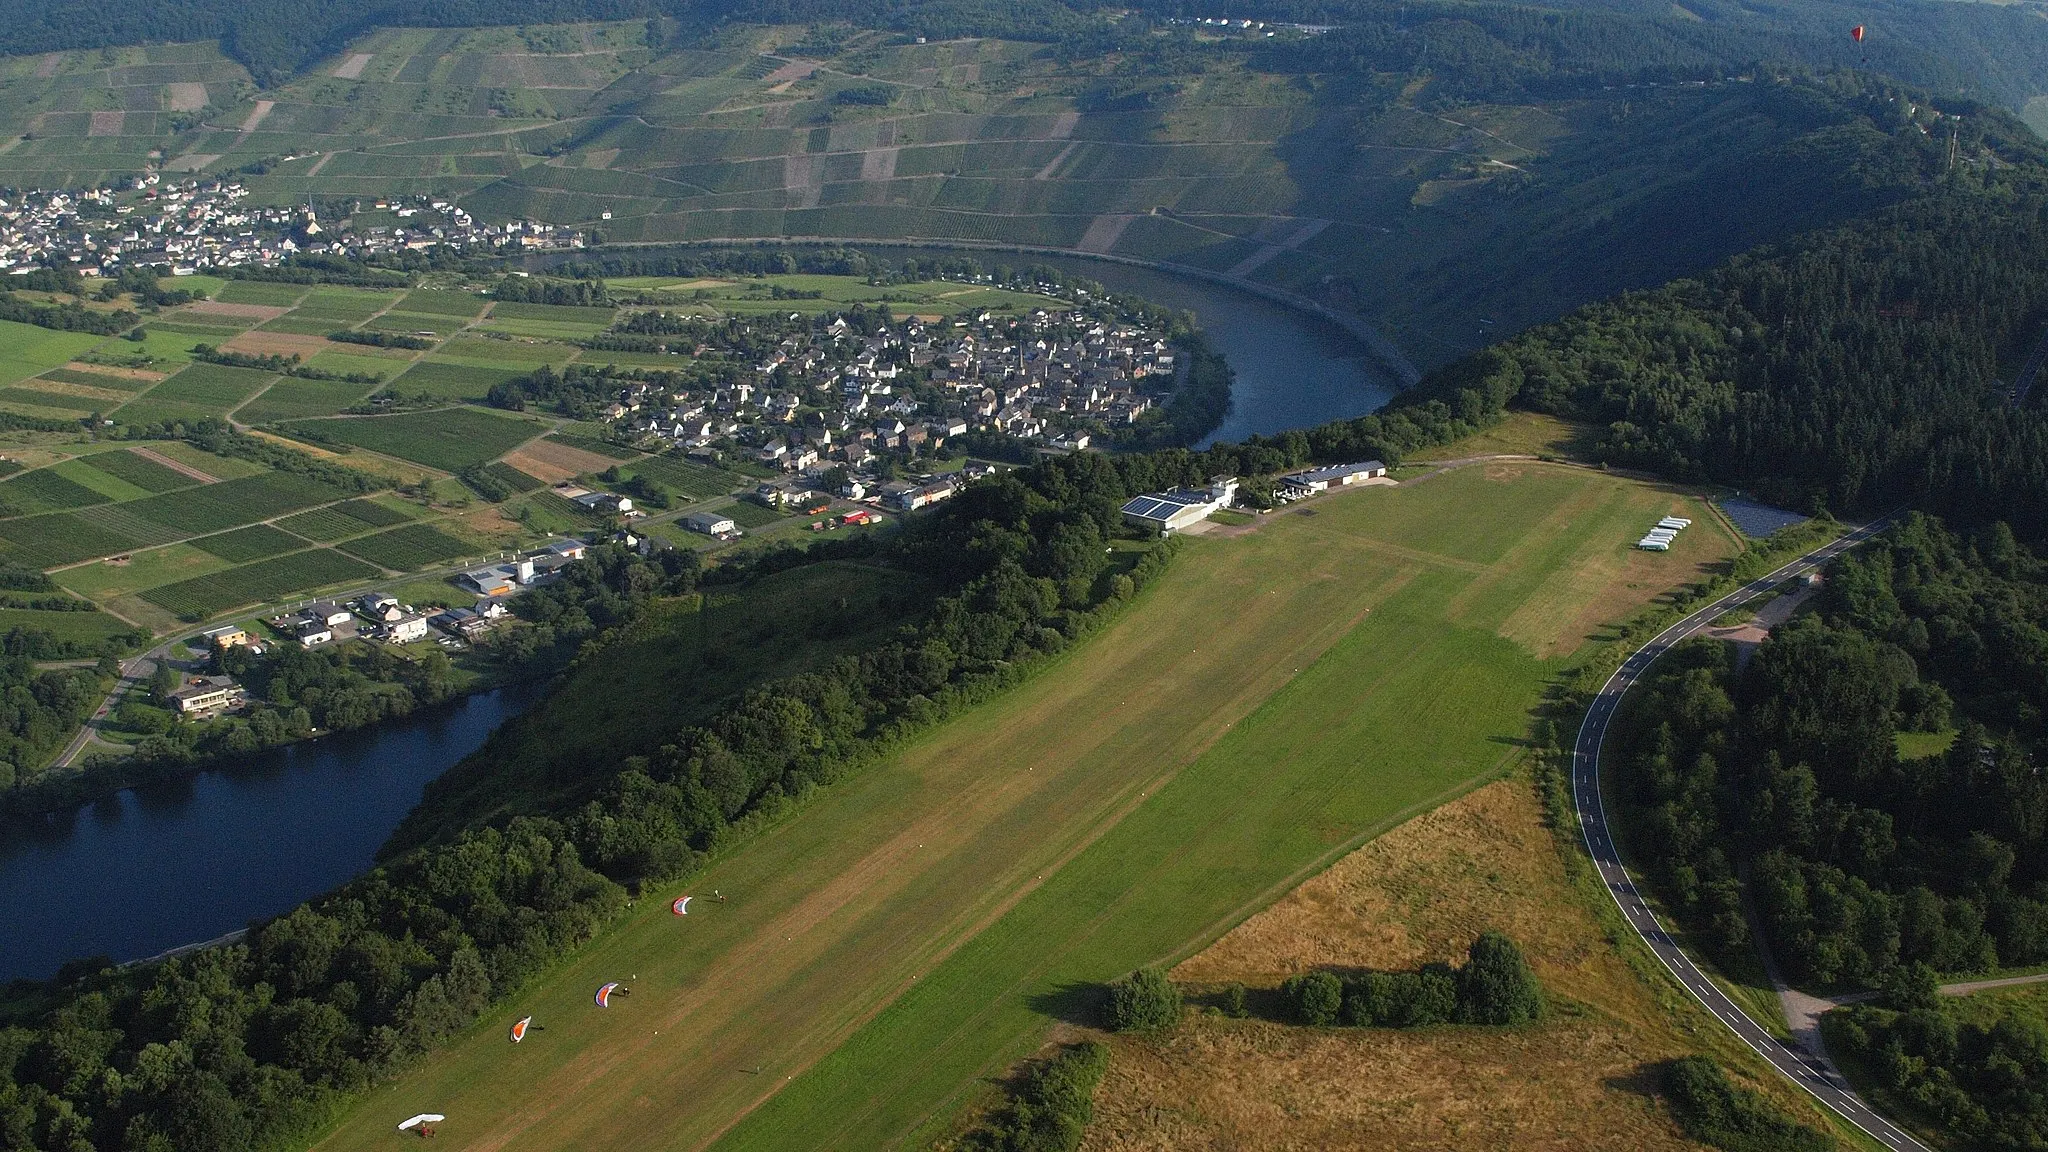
{"x": 1810, "y": 1070}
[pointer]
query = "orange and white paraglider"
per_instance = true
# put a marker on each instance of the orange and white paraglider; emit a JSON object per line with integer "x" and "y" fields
{"x": 519, "y": 1029}
{"x": 604, "y": 994}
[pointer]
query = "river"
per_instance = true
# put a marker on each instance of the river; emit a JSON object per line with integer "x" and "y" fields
{"x": 159, "y": 867}
{"x": 1292, "y": 370}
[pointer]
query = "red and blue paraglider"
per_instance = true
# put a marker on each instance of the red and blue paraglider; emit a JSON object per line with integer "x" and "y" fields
{"x": 681, "y": 907}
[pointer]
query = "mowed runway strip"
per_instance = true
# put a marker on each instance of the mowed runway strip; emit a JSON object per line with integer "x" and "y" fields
{"x": 1273, "y": 700}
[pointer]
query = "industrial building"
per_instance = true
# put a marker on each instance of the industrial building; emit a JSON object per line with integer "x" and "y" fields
{"x": 1177, "y": 510}
{"x": 1334, "y": 476}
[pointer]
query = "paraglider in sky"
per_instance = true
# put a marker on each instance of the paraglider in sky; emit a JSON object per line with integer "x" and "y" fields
{"x": 1856, "y": 33}
{"x": 604, "y": 995}
{"x": 681, "y": 907}
{"x": 422, "y": 1118}
{"x": 519, "y": 1029}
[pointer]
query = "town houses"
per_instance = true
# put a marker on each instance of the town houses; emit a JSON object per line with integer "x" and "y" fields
{"x": 189, "y": 226}
{"x": 845, "y": 390}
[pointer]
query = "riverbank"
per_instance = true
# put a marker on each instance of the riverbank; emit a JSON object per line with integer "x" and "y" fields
{"x": 159, "y": 866}
{"x": 102, "y": 776}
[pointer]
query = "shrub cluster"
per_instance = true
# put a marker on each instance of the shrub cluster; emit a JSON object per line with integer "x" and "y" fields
{"x": 1494, "y": 987}
{"x": 1714, "y": 1111}
{"x": 1051, "y": 1107}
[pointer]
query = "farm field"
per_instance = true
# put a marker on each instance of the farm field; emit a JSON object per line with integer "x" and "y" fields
{"x": 921, "y": 925}
{"x": 254, "y": 583}
{"x": 72, "y": 627}
{"x": 448, "y": 438}
{"x": 26, "y": 350}
{"x": 404, "y": 549}
{"x": 1419, "y": 894}
{"x": 90, "y": 524}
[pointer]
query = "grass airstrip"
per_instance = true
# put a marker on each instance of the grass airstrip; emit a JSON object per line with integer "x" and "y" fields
{"x": 1281, "y": 696}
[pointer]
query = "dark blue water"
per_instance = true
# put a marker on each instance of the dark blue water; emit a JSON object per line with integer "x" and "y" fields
{"x": 155, "y": 868}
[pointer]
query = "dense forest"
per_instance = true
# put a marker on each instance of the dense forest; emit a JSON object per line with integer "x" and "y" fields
{"x": 1783, "y": 777}
{"x": 1977, "y": 1070}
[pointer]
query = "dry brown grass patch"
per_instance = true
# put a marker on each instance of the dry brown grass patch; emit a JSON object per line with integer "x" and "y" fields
{"x": 554, "y": 463}
{"x": 1580, "y": 1079}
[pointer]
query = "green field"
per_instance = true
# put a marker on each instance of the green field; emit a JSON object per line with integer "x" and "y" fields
{"x": 750, "y": 515}
{"x": 919, "y": 927}
{"x": 449, "y": 439}
{"x": 139, "y": 471}
{"x": 75, "y": 627}
{"x": 26, "y": 350}
{"x": 256, "y": 542}
{"x": 435, "y": 377}
{"x": 58, "y": 538}
{"x": 293, "y": 399}
{"x": 407, "y": 548}
{"x": 255, "y": 583}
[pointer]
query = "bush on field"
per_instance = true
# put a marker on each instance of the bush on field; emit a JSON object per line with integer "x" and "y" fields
{"x": 1494, "y": 987}
{"x": 1714, "y": 1111}
{"x": 1315, "y": 998}
{"x": 1050, "y": 1109}
{"x": 1144, "y": 1001}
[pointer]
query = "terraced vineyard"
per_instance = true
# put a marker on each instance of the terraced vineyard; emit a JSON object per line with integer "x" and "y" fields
{"x": 1367, "y": 193}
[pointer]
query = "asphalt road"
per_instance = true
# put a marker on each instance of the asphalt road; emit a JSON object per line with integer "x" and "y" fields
{"x": 1810, "y": 1070}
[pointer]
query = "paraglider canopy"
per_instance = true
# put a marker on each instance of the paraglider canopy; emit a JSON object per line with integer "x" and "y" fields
{"x": 604, "y": 995}
{"x": 519, "y": 1029}
{"x": 422, "y": 1118}
{"x": 1856, "y": 33}
{"x": 681, "y": 907}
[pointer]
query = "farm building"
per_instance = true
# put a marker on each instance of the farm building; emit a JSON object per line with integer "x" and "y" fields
{"x": 494, "y": 580}
{"x": 225, "y": 636}
{"x": 605, "y": 502}
{"x": 716, "y": 524}
{"x": 1335, "y": 476}
{"x": 1166, "y": 512}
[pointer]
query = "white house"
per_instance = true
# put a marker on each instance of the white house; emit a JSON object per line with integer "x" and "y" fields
{"x": 406, "y": 629}
{"x": 710, "y": 523}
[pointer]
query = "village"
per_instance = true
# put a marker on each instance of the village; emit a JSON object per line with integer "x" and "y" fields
{"x": 192, "y": 226}
{"x": 832, "y": 397}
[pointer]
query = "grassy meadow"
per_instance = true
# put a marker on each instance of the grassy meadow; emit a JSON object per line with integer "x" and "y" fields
{"x": 1280, "y": 697}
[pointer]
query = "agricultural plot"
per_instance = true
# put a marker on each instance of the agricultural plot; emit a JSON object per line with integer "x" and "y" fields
{"x": 257, "y": 583}
{"x": 603, "y": 448}
{"x": 441, "y": 302}
{"x": 83, "y": 628}
{"x": 512, "y": 477}
{"x": 405, "y": 549}
{"x": 294, "y": 399}
{"x": 139, "y": 471}
{"x": 109, "y": 486}
{"x": 449, "y": 439}
{"x": 58, "y": 538}
{"x": 261, "y": 292}
{"x": 44, "y": 490}
{"x": 750, "y": 515}
{"x": 954, "y": 898}
{"x": 349, "y": 518}
{"x": 256, "y": 542}
{"x": 26, "y": 350}
{"x": 195, "y": 393}
{"x": 232, "y": 503}
{"x": 693, "y": 481}
{"x": 432, "y": 377}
